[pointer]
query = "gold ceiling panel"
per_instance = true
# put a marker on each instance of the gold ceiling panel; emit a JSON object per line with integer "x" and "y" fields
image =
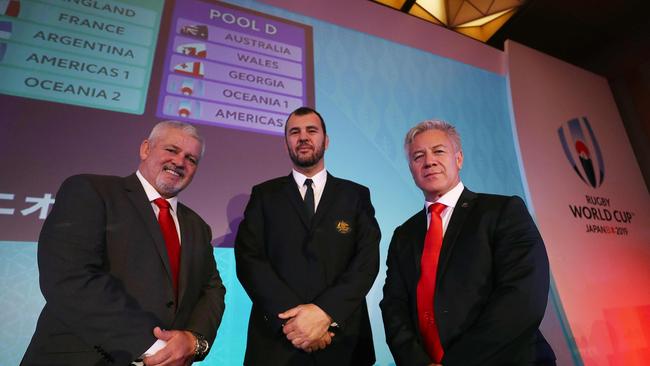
{"x": 420, "y": 12}
{"x": 466, "y": 13}
{"x": 481, "y": 5}
{"x": 483, "y": 20}
{"x": 395, "y": 4}
{"x": 500, "y": 5}
{"x": 434, "y": 7}
{"x": 478, "y": 19}
{"x": 453, "y": 6}
{"x": 484, "y": 32}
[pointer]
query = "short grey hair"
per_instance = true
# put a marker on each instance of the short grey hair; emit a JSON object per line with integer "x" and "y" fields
{"x": 185, "y": 127}
{"x": 433, "y": 124}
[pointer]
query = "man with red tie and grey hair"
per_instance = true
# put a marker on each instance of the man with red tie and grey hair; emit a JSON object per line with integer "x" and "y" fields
{"x": 127, "y": 271}
{"x": 468, "y": 277}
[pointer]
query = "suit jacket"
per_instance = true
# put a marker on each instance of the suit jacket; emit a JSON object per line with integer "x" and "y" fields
{"x": 491, "y": 287}
{"x": 283, "y": 260}
{"x": 105, "y": 276}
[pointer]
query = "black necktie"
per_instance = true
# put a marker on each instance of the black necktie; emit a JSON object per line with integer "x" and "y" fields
{"x": 309, "y": 199}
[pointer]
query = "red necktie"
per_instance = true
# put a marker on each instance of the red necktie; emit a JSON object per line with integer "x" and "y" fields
{"x": 427, "y": 284}
{"x": 170, "y": 235}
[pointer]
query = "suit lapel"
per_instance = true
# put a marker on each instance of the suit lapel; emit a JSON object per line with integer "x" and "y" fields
{"x": 461, "y": 211}
{"x": 292, "y": 192}
{"x": 138, "y": 198}
{"x": 326, "y": 200}
{"x": 187, "y": 248}
{"x": 417, "y": 239}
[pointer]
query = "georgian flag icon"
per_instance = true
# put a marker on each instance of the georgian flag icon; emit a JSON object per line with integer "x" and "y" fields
{"x": 195, "y": 69}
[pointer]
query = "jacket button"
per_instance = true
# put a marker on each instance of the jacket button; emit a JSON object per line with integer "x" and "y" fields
{"x": 169, "y": 304}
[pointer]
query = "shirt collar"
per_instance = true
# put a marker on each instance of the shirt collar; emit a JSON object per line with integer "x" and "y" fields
{"x": 450, "y": 198}
{"x": 319, "y": 178}
{"x": 152, "y": 193}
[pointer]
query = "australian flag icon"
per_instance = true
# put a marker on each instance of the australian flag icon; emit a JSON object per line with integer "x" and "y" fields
{"x": 195, "y": 30}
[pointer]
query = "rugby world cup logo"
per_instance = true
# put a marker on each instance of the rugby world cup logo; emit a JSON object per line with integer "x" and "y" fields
{"x": 582, "y": 150}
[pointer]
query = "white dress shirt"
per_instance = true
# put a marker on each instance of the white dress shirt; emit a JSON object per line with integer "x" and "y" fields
{"x": 319, "y": 179}
{"x": 448, "y": 199}
{"x": 152, "y": 194}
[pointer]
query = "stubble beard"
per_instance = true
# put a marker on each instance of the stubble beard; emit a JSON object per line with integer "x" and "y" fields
{"x": 308, "y": 161}
{"x": 169, "y": 189}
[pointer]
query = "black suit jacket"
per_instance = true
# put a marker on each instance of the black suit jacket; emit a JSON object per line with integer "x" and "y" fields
{"x": 491, "y": 288}
{"x": 105, "y": 276}
{"x": 283, "y": 260}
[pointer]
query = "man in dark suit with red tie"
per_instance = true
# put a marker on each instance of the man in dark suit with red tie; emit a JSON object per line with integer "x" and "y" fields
{"x": 468, "y": 278}
{"x": 126, "y": 270}
{"x": 307, "y": 253}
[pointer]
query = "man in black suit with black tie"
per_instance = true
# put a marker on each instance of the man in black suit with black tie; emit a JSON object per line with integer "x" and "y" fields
{"x": 126, "y": 270}
{"x": 468, "y": 278}
{"x": 307, "y": 253}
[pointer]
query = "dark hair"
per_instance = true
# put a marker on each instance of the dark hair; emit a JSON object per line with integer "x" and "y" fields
{"x": 304, "y": 111}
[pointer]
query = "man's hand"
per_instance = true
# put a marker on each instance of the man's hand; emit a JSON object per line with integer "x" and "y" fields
{"x": 179, "y": 350}
{"x": 321, "y": 343}
{"x": 306, "y": 325}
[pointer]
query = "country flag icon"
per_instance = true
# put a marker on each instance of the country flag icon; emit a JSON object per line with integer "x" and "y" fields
{"x": 3, "y": 50}
{"x": 5, "y": 29}
{"x": 195, "y": 30}
{"x": 191, "y": 87}
{"x": 184, "y": 109}
{"x": 193, "y": 49}
{"x": 187, "y": 87}
{"x": 10, "y": 8}
{"x": 195, "y": 69}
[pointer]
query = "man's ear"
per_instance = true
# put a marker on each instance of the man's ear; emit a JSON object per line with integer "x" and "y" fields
{"x": 144, "y": 149}
{"x": 459, "y": 160}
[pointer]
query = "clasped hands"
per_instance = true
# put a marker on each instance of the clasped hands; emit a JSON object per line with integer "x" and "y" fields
{"x": 307, "y": 327}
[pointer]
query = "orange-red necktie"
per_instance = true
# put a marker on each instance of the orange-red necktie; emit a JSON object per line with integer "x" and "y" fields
{"x": 427, "y": 284}
{"x": 170, "y": 235}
